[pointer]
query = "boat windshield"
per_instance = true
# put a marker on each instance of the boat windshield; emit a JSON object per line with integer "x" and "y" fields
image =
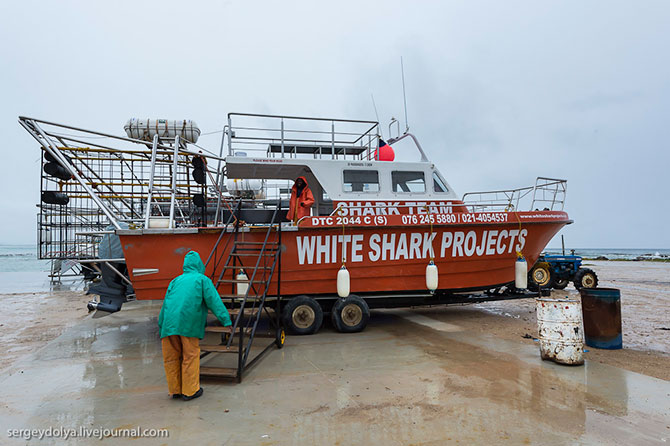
{"x": 438, "y": 184}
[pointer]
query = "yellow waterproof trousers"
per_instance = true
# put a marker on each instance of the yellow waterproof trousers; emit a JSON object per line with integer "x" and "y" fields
{"x": 181, "y": 358}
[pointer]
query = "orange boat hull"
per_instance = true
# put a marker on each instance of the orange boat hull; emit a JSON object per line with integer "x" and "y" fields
{"x": 386, "y": 258}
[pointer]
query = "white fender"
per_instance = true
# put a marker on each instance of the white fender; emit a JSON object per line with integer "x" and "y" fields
{"x": 431, "y": 276}
{"x": 242, "y": 287}
{"x": 521, "y": 273}
{"x": 343, "y": 282}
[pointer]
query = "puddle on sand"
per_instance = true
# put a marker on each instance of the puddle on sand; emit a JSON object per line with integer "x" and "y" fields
{"x": 457, "y": 392}
{"x": 531, "y": 391}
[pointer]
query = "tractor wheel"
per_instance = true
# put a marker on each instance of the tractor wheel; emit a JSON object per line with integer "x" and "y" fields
{"x": 560, "y": 284}
{"x": 302, "y": 315}
{"x": 540, "y": 277}
{"x": 350, "y": 315}
{"x": 585, "y": 278}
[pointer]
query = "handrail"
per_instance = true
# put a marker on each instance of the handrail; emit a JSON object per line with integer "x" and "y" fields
{"x": 223, "y": 231}
{"x": 265, "y": 288}
{"x": 306, "y": 118}
{"x": 271, "y": 129}
{"x": 511, "y": 197}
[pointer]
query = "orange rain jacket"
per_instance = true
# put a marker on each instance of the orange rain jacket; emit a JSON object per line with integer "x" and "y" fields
{"x": 299, "y": 206}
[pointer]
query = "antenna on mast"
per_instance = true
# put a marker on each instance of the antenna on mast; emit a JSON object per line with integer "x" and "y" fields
{"x": 376, "y": 114}
{"x": 404, "y": 96}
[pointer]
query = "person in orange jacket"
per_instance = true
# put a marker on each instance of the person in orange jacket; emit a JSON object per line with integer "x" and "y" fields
{"x": 301, "y": 200}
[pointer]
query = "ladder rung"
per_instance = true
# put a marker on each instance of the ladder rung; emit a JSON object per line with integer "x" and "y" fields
{"x": 260, "y": 334}
{"x": 241, "y": 281}
{"x": 247, "y": 311}
{"x": 249, "y": 268}
{"x": 235, "y": 297}
{"x": 221, "y": 329}
{"x": 256, "y": 250}
{"x": 218, "y": 348}
{"x": 241, "y": 242}
{"x": 250, "y": 298}
{"x": 226, "y": 372}
{"x": 237, "y": 254}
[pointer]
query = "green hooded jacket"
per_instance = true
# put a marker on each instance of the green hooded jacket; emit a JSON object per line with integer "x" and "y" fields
{"x": 184, "y": 310}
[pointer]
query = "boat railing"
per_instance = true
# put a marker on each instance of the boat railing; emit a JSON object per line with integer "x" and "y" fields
{"x": 283, "y": 136}
{"x": 546, "y": 194}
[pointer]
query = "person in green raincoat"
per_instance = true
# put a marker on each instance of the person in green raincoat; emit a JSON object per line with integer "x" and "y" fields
{"x": 182, "y": 324}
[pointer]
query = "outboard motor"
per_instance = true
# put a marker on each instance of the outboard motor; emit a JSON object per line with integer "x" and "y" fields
{"x": 112, "y": 290}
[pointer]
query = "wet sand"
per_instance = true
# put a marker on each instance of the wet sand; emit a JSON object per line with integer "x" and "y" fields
{"x": 458, "y": 374}
{"x": 409, "y": 378}
{"x": 32, "y": 319}
{"x": 645, "y": 300}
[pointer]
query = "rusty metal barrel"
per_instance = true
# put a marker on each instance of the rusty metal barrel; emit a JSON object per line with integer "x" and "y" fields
{"x": 559, "y": 324}
{"x": 601, "y": 309}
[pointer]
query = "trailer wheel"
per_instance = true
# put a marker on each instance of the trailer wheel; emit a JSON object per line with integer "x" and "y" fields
{"x": 280, "y": 337}
{"x": 302, "y": 315}
{"x": 541, "y": 276}
{"x": 350, "y": 315}
{"x": 585, "y": 278}
{"x": 560, "y": 284}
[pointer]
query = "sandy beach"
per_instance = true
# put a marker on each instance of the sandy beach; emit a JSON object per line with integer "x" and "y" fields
{"x": 32, "y": 319}
{"x": 461, "y": 374}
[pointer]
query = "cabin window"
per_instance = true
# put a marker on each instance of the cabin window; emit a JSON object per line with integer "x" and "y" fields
{"x": 408, "y": 181}
{"x": 438, "y": 184}
{"x": 361, "y": 181}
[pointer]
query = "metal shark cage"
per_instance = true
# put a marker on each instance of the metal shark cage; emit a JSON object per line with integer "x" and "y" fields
{"x": 92, "y": 183}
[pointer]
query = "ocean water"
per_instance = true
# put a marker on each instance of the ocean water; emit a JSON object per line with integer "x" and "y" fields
{"x": 14, "y": 258}
{"x": 22, "y": 272}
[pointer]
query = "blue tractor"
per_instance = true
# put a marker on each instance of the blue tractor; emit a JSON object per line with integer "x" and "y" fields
{"x": 556, "y": 271}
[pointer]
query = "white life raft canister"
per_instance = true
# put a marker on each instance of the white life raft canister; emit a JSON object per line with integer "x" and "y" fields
{"x": 145, "y": 129}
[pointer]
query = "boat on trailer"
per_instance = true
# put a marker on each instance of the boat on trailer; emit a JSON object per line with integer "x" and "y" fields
{"x": 384, "y": 223}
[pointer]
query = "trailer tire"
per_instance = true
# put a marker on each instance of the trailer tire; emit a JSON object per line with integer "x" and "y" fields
{"x": 302, "y": 315}
{"x": 540, "y": 276}
{"x": 280, "y": 337}
{"x": 350, "y": 315}
{"x": 585, "y": 278}
{"x": 560, "y": 284}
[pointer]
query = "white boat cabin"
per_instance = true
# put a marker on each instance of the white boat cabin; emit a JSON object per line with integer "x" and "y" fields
{"x": 347, "y": 180}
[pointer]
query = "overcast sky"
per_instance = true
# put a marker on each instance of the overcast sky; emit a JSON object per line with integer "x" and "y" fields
{"x": 498, "y": 92}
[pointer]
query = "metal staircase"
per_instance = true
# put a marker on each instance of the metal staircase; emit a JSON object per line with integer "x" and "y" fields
{"x": 260, "y": 261}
